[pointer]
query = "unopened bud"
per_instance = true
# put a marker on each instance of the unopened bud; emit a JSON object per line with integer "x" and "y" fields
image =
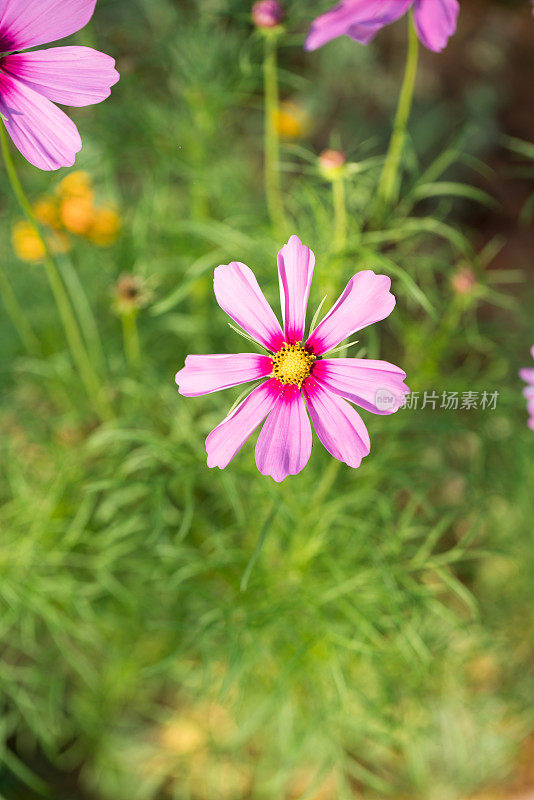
{"x": 331, "y": 162}
{"x": 267, "y": 13}
{"x": 464, "y": 281}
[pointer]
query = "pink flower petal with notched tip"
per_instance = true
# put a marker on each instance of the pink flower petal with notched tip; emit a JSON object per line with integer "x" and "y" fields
{"x": 285, "y": 442}
{"x": 366, "y": 299}
{"x": 337, "y": 424}
{"x": 435, "y": 21}
{"x": 359, "y": 19}
{"x": 295, "y": 272}
{"x": 73, "y": 76}
{"x": 227, "y": 439}
{"x": 45, "y": 136}
{"x": 28, "y": 23}
{"x": 211, "y": 373}
{"x": 238, "y": 293}
{"x": 376, "y": 386}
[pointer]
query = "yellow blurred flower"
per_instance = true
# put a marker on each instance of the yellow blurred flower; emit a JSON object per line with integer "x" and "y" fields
{"x": 291, "y": 121}
{"x": 46, "y": 211}
{"x": 76, "y": 184}
{"x": 29, "y": 246}
{"x": 27, "y": 243}
{"x": 77, "y": 214}
{"x": 105, "y": 227}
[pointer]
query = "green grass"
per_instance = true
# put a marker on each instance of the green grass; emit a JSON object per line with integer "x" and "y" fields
{"x": 381, "y": 640}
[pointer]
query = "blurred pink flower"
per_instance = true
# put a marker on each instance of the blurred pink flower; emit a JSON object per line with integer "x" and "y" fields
{"x": 294, "y": 375}
{"x": 435, "y": 21}
{"x": 527, "y": 374}
{"x": 74, "y": 76}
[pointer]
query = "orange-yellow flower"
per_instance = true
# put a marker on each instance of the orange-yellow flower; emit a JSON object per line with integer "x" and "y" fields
{"x": 76, "y": 184}
{"x": 77, "y": 214}
{"x": 105, "y": 227}
{"x": 291, "y": 121}
{"x": 46, "y": 211}
{"x": 27, "y": 243}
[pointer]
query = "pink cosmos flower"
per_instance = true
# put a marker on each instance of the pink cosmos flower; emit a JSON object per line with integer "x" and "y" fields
{"x": 527, "y": 374}
{"x": 30, "y": 83}
{"x": 295, "y": 377}
{"x": 435, "y": 21}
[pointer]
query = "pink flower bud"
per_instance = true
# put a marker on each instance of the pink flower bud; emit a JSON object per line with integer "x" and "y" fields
{"x": 267, "y": 13}
{"x": 331, "y": 160}
{"x": 464, "y": 281}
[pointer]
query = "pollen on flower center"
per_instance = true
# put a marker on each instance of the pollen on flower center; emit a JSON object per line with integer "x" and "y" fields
{"x": 292, "y": 364}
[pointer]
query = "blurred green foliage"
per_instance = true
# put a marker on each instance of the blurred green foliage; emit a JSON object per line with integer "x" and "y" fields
{"x": 383, "y": 643}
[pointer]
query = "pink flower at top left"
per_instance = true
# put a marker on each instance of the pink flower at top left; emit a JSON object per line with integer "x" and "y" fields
{"x": 32, "y": 82}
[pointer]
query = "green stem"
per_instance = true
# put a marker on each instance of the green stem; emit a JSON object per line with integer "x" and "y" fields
{"x": 388, "y": 188}
{"x": 130, "y": 335}
{"x": 261, "y": 541}
{"x": 17, "y": 316}
{"x": 70, "y": 325}
{"x": 340, "y": 213}
{"x": 272, "y": 141}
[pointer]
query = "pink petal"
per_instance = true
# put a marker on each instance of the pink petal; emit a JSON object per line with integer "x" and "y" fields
{"x": 45, "y": 136}
{"x": 285, "y": 442}
{"x": 27, "y": 23}
{"x": 376, "y": 386}
{"x": 74, "y": 76}
{"x": 435, "y": 21}
{"x": 366, "y": 299}
{"x": 295, "y": 272}
{"x": 205, "y": 374}
{"x": 238, "y": 293}
{"x": 359, "y": 19}
{"x": 527, "y": 374}
{"x": 227, "y": 439}
{"x": 530, "y": 423}
{"x": 532, "y": 348}
{"x": 337, "y": 424}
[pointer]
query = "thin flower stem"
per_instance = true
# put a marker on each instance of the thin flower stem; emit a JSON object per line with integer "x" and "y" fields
{"x": 340, "y": 213}
{"x": 68, "y": 319}
{"x": 271, "y": 138}
{"x": 261, "y": 541}
{"x": 17, "y": 316}
{"x": 130, "y": 335}
{"x": 388, "y": 188}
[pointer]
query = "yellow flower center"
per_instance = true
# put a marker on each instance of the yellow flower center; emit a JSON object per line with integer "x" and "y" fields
{"x": 292, "y": 364}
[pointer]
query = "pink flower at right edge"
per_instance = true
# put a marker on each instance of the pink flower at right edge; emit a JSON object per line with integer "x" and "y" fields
{"x": 527, "y": 374}
{"x": 296, "y": 379}
{"x": 31, "y": 83}
{"x": 435, "y": 21}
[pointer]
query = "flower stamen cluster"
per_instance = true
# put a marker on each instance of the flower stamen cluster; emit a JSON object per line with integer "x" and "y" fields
{"x": 292, "y": 363}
